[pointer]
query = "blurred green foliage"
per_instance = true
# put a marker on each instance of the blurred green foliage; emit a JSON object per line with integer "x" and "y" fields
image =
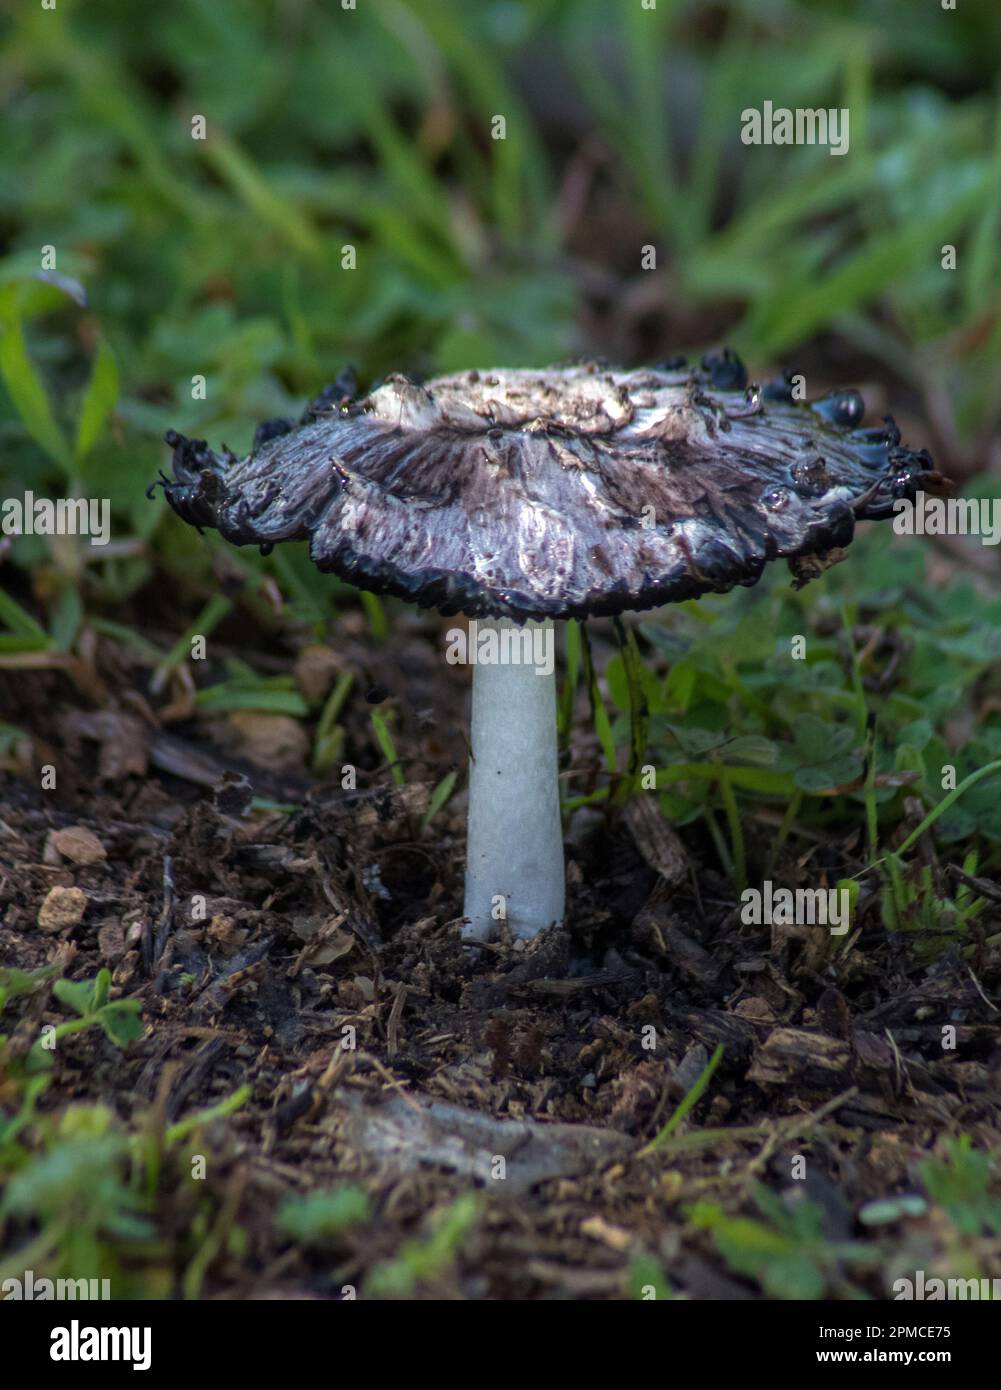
{"x": 789, "y": 1252}
{"x": 363, "y": 137}
{"x": 371, "y": 127}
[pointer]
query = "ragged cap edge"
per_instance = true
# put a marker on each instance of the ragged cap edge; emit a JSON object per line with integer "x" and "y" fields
{"x": 199, "y": 494}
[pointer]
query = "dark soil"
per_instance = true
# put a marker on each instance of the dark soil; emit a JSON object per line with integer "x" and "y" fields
{"x": 343, "y": 916}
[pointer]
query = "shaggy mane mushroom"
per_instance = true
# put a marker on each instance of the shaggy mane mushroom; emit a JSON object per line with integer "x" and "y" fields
{"x": 537, "y": 495}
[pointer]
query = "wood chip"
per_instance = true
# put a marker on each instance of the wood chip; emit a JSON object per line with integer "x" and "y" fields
{"x": 613, "y": 1236}
{"x": 680, "y": 949}
{"x": 326, "y": 942}
{"x": 111, "y": 941}
{"x": 395, "y": 1015}
{"x": 792, "y": 1055}
{"x": 656, "y": 839}
{"x": 409, "y": 1131}
{"x": 755, "y": 1009}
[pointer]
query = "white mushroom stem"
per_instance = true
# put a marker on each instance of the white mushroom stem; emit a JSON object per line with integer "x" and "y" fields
{"x": 514, "y": 855}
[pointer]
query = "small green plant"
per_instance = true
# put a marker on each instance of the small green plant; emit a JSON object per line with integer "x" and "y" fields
{"x": 787, "y": 1252}
{"x": 78, "y": 1197}
{"x": 439, "y": 798}
{"x": 384, "y": 738}
{"x": 689, "y": 1102}
{"x": 647, "y": 1281}
{"x": 329, "y": 737}
{"x": 14, "y": 982}
{"x": 12, "y": 1154}
{"x": 118, "y": 1019}
{"x": 960, "y": 1182}
{"x": 80, "y": 1190}
{"x": 419, "y": 1261}
{"x": 911, "y": 901}
{"x": 318, "y": 1215}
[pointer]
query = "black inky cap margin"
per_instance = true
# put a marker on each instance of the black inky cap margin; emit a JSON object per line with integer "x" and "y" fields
{"x": 556, "y": 493}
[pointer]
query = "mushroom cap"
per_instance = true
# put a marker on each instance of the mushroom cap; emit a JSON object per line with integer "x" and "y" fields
{"x": 556, "y": 493}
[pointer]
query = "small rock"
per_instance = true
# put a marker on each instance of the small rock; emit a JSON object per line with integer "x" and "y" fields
{"x": 273, "y": 741}
{"x": 75, "y": 843}
{"x": 315, "y": 669}
{"x": 62, "y": 909}
{"x": 133, "y": 925}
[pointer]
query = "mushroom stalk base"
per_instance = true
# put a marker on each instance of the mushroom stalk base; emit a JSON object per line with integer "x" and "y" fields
{"x": 514, "y": 856}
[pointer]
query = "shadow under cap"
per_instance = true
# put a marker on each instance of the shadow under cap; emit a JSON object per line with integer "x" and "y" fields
{"x": 556, "y": 493}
